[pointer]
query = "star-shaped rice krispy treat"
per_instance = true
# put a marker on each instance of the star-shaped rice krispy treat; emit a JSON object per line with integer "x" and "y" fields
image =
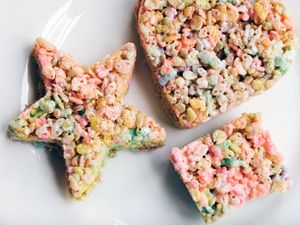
{"x": 232, "y": 165}
{"x": 83, "y": 111}
{"x": 209, "y": 56}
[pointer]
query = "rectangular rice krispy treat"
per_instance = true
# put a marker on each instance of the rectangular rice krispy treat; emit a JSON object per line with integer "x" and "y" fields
{"x": 234, "y": 164}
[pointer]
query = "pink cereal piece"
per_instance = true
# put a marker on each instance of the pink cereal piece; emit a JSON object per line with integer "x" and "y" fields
{"x": 193, "y": 184}
{"x": 257, "y": 141}
{"x": 191, "y": 147}
{"x": 166, "y": 67}
{"x": 245, "y": 17}
{"x": 175, "y": 155}
{"x": 77, "y": 129}
{"x": 42, "y": 57}
{"x": 76, "y": 100}
{"x": 148, "y": 122}
{"x": 104, "y": 84}
{"x": 186, "y": 177}
{"x": 60, "y": 75}
{"x": 269, "y": 145}
{"x": 288, "y": 23}
{"x": 112, "y": 112}
{"x": 43, "y": 132}
{"x": 47, "y": 82}
{"x": 228, "y": 129}
{"x": 101, "y": 71}
{"x": 68, "y": 152}
{"x": 88, "y": 91}
{"x": 110, "y": 99}
{"x": 42, "y": 121}
{"x": 274, "y": 35}
{"x": 216, "y": 151}
{"x": 86, "y": 178}
{"x": 95, "y": 81}
{"x": 122, "y": 66}
{"x": 81, "y": 120}
{"x": 206, "y": 176}
{"x": 111, "y": 88}
{"x": 208, "y": 141}
{"x": 77, "y": 83}
{"x": 70, "y": 169}
{"x": 171, "y": 12}
{"x": 86, "y": 137}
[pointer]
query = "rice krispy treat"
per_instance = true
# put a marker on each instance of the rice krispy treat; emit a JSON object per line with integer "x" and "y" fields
{"x": 234, "y": 164}
{"x": 83, "y": 111}
{"x": 208, "y": 56}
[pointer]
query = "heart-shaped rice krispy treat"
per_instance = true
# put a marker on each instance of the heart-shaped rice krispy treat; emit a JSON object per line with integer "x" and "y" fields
{"x": 208, "y": 56}
{"x": 83, "y": 111}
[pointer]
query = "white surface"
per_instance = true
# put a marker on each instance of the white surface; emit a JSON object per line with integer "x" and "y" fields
{"x": 138, "y": 188}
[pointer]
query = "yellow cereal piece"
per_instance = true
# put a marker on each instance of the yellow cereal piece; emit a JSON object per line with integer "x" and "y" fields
{"x": 197, "y": 103}
{"x": 83, "y": 149}
{"x": 258, "y": 85}
{"x": 236, "y": 149}
{"x": 261, "y": 12}
{"x": 159, "y": 16}
{"x": 165, "y": 29}
{"x": 95, "y": 123}
{"x": 177, "y": 61}
{"x": 191, "y": 115}
{"x": 189, "y": 11}
{"x": 180, "y": 107}
{"x": 197, "y": 22}
{"x": 172, "y": 37}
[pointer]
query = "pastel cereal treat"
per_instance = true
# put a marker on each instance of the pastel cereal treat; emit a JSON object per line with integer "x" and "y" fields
{"x": 231, "y": 166}
{"x": 209, "y": 56}
{"x": 84, "y": 112}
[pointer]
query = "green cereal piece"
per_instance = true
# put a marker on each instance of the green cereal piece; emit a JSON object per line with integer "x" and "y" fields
{"x": 195, "y": 69}
{"x": 68, "y": 125}
{"x": 232, "y": 162}
{"x": 279, "y": 61}
{"x": 143, "y": 133}
{"x": 65, "y": 113}
{"x": 172, "y": 74}
{"x": 282, "y": 64}
{"x": 226, "y": 144}
{"x": 39, "y": 145}
{"x": 212, "y": 80}
{"x": 58, "y": 101}
{"x": 209, "y": 210}
{"x": 133, "y": 133}
{"x": 188, "y": 2}
{"x": 37, "y": 113}
{"x": 48, "y": 106}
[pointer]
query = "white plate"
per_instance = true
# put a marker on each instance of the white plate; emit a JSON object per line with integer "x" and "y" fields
{"x": 138, "y": 188}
